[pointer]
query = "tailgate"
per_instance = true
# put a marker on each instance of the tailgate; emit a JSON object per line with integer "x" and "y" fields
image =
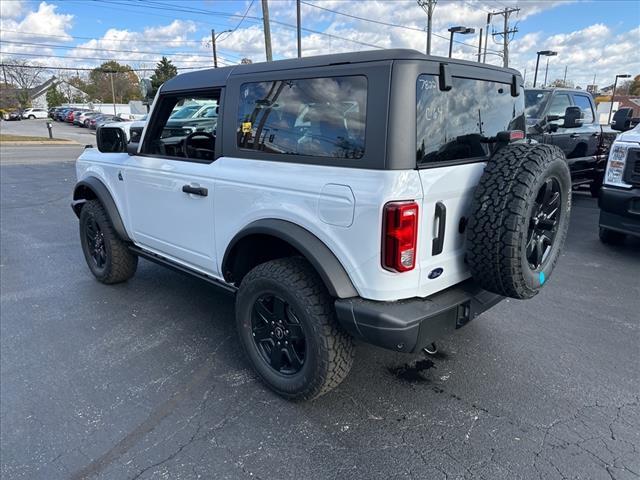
{"x": 447, "y": 196}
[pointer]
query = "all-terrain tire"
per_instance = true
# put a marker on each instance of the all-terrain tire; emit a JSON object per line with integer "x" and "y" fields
{"x": 611, "y": 237}
{"x": 329, "y": 350}
{"x": 504, "y": 218}
{"x": 118, "y": 262}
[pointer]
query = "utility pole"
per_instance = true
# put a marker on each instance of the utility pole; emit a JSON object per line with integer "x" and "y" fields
{"x": 213, "y": 47}
{"x": 506, "y": 32}
{"x": 299, "y": 29}
{"x": 428, "y": 6}
{"x": 486, "y": 37}
{"x": 267, "y": 29}
{"x": 564, "y": 80}
{"x": 480, "y": 46}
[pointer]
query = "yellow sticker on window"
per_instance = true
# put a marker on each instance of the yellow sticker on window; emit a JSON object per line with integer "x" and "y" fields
{"x": 246, "y": 127}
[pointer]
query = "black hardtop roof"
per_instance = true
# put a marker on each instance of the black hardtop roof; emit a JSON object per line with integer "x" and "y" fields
{"x": 208, "y": 78}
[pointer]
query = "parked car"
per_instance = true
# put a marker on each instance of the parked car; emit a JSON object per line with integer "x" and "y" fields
{"x": 80, "y": 119}
{"x": 345, "y": 196}
{"x": 61, "y": 114}
{"x": 86, "y": 117}
{"x": 567, "y": 118}
{"x": 14, "y": 115}
{"x": 619, "y": 199}
{"x": 99, "y": 120}
{"x": 33, "y": 113}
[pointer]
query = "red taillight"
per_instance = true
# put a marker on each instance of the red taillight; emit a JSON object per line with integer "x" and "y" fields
{"x": 399, "y": 234}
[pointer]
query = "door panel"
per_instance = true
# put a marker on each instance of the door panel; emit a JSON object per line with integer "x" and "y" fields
{"x": 165, "y": 218}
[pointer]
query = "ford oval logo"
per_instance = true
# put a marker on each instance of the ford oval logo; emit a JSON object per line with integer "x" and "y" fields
{"x": 435, "y": 273}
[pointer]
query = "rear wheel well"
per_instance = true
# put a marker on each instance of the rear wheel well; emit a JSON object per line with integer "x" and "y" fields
{"x": 253, "y": 250}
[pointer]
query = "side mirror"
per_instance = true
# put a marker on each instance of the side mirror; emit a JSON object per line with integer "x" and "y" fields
{"x": 132, "y": 148}
{"x": 622, "y": 120}
{"x": 111, "y": 140}
{"x": 573, "y": 117}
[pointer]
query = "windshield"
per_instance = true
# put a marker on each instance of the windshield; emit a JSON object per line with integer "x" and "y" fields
{"x": 185, "y": 112}
{"x": 534, "y": 102}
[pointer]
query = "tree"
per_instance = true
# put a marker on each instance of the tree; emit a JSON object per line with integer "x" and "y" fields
{"x": 125, "y": 83}
{"x": 164, "y": 71}
{"x": 24, "y": 76}
{"x": 55, "y": 98}
{"x": 634, "y": 88}
{"x": 560, "y": 83}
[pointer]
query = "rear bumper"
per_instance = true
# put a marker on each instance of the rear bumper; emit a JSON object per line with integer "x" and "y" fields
{"x": 409, "y": 325}
{"x": 620, "y": 209}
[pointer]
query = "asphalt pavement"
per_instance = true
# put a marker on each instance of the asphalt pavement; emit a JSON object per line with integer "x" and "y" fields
{"x": 147, "y": 379}
{"x": 38, "y": 128}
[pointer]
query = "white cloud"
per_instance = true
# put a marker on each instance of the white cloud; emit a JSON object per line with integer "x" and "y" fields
{"x": 11, "y": 9}
{"x": 42, "y": 24}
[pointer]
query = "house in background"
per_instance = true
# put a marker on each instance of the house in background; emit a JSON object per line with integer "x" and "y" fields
{"x": 38, "y": 94}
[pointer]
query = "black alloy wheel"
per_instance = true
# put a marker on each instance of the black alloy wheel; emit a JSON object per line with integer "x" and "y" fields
{"x": 95, "y": 243}
{"x": 543, "y": 223}
{"x": 278, "y": 334}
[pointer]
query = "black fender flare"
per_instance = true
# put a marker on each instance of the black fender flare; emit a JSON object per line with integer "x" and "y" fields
{"x": 327, "y": 265}
{"x": 102, "y": 194}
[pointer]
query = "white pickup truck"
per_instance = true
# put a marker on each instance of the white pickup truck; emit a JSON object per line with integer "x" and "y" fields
{"x": 386, "y": 196}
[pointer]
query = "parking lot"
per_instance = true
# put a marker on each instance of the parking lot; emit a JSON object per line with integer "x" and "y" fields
{"x": 62, "y": 130}
{"x": 147, "y": 379}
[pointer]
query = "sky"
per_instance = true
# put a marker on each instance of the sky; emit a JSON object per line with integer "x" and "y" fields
{"x": 592, "y": 37}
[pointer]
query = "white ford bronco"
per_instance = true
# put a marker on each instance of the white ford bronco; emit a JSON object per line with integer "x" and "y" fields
{"x": 385, "y": 196}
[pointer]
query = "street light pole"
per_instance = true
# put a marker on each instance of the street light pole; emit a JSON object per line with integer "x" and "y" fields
{"x": 546, "y": 53}
{"x": 113, "y": 95}
{"x": 613, "y": 94}
{"x": 461, "y": 30}
{"x": 214, "y": 37}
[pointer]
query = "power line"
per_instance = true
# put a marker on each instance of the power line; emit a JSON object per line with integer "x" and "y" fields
{"x": 167, "y": 7}
{"x": 117, "y": 40}
{"x": 97, "y": 49}
{"x": 388, "y": 24}
{"x": 88, "y": 69}
{"x": 103, "y": 59}
{"x": 240, "y": 22}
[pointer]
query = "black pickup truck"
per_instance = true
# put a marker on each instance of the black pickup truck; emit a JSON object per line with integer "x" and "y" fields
{"x": 567, "y": 118}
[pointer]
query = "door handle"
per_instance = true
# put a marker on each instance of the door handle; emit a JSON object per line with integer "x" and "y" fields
{"x": 574, "y": 135}
{"x": 595, "y": 134}
{"x": 203, "y": 192}
{"x": 441, "y": 217}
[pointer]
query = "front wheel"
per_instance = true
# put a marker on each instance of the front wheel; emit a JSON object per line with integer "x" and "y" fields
{"x": 32, "y": 117}
{"x": 107, "y": 255}
{"x": 287, "y": 325}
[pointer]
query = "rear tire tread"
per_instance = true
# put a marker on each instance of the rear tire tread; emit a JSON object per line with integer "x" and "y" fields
{"x": 497, "y": 219}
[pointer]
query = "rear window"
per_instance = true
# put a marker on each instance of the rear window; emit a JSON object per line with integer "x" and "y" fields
{"x": 455, "y": 125}
{"x": 321, "y": 117}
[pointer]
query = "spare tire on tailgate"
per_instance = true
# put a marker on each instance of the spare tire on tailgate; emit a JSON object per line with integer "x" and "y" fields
{"x": 519, "y": 219}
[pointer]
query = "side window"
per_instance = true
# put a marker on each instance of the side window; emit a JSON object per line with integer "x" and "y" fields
{"x": 321, "y": 117}
{"x": 455, "y": 125}
{"x": 559, "y": 104}
{"x": 585, "y": 105}
{"x": 184, "y": 127}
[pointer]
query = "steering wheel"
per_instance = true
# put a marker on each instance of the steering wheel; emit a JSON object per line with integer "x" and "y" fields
{"x": 191, "y": 151}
